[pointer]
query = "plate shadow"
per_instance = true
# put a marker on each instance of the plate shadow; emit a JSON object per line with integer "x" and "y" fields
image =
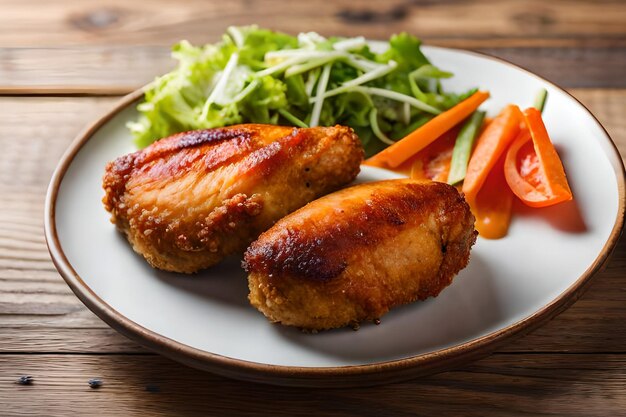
{"x": 226, "y": 282}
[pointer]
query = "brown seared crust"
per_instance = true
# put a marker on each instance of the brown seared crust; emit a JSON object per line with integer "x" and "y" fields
{"x": 176, "y": 154}
{"x": 354, "y": 254}
{"x": 191, "y": 199}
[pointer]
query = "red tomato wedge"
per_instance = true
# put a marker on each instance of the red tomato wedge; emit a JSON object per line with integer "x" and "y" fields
{"x": 533, "y": 169}
{"x": 433, "y": 162}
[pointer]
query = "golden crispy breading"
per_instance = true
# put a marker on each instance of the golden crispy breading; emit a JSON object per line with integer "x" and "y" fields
{"x": 352, "y": 255}
{"x": 189, "y": 200}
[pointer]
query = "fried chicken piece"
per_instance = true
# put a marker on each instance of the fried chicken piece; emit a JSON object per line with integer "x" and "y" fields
{"x": 352, "y": 255}
{"x": 189, "y": 200}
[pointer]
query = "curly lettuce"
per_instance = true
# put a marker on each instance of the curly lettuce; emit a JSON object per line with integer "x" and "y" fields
{"x": 260, "y": 76}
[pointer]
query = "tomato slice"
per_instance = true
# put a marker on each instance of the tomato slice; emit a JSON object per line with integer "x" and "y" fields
{"x": 433, "y": 162}
{"x": 533, "y": 168}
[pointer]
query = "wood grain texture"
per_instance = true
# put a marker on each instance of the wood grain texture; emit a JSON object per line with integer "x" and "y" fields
{"x": 111, "y": 70}
{"x": 150, "y": 22}
{"x": 503, "y": 384}
{"x": 114, "y": 46}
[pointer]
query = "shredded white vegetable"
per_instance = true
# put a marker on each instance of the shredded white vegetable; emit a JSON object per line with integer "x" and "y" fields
{"x": 311, "y": 80}
{"x": 350, "y": 44}
{"x": 310, "y": 39}
{"x": 289, "y": 62}
{"x": 406, "y": 113}
{"x": 364, "y": 65}
{"x": 398, "y": 97}
{"x": 376, "y": 129}
{"x": 236, "y": 35}
{"x": 216, "y": 94}
{"x": 243, "y": 93}
{"x": 321, "y": 88}
{"x": 367, "y": 77}
{"x": 318, "y": 62}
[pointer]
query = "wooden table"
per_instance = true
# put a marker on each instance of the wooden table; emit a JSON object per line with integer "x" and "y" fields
{"x": 64, "y": 63}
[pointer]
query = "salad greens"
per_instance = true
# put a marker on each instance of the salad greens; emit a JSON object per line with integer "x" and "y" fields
{"x": 261, "y": 76}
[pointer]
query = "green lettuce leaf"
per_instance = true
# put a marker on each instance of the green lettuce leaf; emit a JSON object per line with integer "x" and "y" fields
{"x": 243, "y": 78}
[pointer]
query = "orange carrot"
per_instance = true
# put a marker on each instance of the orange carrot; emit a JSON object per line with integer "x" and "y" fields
{"x": 533, "y": 169}
{"x": 490, "y": 146}
{"x": 417, "y": 140}
{"x": 433, "y": 162}
{"x": 493, "y": 204}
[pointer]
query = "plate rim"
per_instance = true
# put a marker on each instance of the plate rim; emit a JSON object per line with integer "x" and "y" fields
{"x": 339, "y": 376}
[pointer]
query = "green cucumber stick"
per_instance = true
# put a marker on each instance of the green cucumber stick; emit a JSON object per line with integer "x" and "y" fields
{"x": 463, "y": 147}
{"x": 540, "y": 99}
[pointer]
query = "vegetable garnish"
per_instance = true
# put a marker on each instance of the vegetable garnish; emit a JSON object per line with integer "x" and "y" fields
{"x": 493, "y": 205}
{"x": 540, "y": 99}
{"x": 513, "y": 156}
{"x": 491, "y": 144}
{"x": 259, "y": 76}
{"x": 433, "y": 162}
{"x": 417, "y": 140}
{"x": 533, "y": 169}
{"x": 463, "y": 147}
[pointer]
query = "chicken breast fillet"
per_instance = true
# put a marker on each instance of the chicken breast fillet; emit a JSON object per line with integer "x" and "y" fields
{"x": 189, "y": 200}
{"x": 352, "y": 255}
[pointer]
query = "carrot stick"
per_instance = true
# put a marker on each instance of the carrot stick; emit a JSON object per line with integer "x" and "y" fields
{"x": 417, "y": 140}
{"x": 490, "y": 146}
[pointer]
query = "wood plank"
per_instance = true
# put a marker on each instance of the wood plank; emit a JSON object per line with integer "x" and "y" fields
{"x": 570, "y": 67}
{"x": 147, "y": 385}
{"x": 38, "y": 312}
{"x": 49, "y": 338}
{"x": 110, "y": 70}
{"x": 113, "y": 46}
{"x": 100, "y": 70}
{"x": 34, "y": 133}
{"x": 28, "y": 23}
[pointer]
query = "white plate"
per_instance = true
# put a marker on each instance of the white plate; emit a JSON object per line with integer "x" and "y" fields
{"x": 511, "y": 284}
